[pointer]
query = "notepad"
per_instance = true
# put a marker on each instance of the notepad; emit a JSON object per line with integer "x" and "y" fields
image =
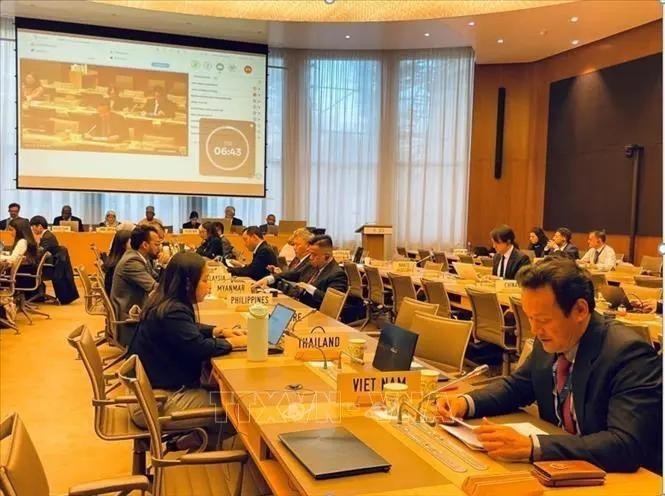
{"x": 467, "y": 435}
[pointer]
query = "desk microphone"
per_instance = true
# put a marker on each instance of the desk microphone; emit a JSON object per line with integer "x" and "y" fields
{"x": 359, "y": 361}
{"x": 302, "y": 317}
{"x": 481, "y": 369}
{"x": 301, "y": 340}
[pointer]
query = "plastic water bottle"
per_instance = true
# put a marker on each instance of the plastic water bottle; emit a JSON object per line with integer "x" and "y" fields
{"x": 257, "y": 333}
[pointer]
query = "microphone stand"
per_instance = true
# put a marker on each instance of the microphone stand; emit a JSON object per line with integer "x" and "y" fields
{"x": 417, "y": 410}
{"x": 352, "y": 358}
{"x": 301, "y": 340}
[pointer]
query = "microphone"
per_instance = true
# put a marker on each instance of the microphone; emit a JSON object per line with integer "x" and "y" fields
{"x": 475, "y": 372}
{"x": 352, "y": 358}
{"x": 302, "y": 317}
{"x": 301, "y": 340}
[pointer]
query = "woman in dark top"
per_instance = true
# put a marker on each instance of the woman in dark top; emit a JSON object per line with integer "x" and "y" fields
{"x": 172, "y": 345}
{"x": 537, "y": 241}
{"x": 212, "y": 244}
{"x": 119, "y": 246}
{"x": 25, "y": 245}
{"x": 227, "y": 247}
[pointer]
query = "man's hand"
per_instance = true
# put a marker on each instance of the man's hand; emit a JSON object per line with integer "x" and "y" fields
{"x": 273, "y": 269}
{"x": 221, "y": 332}
{"x": 503, "y": 442}
{"x": 306, "y": 287}
{"x": 448, "y": 407}
{"x": 237, "y": 341}
{"x": 261, "y": 283}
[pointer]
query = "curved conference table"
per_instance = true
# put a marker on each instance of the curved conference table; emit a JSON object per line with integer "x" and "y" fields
{"x": 260, "y": 405}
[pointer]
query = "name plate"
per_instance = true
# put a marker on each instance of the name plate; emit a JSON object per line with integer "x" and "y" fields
{"x": 105, "y": 229}
{"x": 225, "y": 287}
{"x": 332, "y": 344}
{"x": 342, "y": 255}
{"x": 432, "y": 274}
{"x": 366, "y": 388}
{"x": 190, "y": 231}
{"x": 248, "y": 299}
{"x": 404, "y": 266}
{"x": 217, "y": 275}
{"x": 460, "y": 251}
{"x": 507, "y": 285}
{"x": 61, "y": 228}
{"x": 377, "y": 230}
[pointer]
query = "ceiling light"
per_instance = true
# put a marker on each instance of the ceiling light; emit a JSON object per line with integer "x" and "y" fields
{"x": 348, "y": 36}
{"x": 427, "y": 35}
{"x": 543, "y": 32}
{"x": 500, "y": 40}
{"x": 574, "y": 19}
{"x": 575, "y": 42}
{"x": 661, "y": 248}
{"x": 472, "y": 23}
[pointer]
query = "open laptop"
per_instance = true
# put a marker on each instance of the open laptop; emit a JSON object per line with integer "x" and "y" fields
{"x": 466, "y": 271}
{"x": 615, "y": 296}
{"x": 395, "y": 349}
{"x": 358, "y": 254}
{"x": 279, "y": 321}
{"x": 333, "y": 452}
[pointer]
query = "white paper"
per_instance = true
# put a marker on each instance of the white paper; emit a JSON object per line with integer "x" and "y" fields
{"x": 468, "y": 436}
{"x": 527, "y": 428}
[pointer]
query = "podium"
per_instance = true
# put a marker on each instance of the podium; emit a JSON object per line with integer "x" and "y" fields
{"x": 377, "y": 240}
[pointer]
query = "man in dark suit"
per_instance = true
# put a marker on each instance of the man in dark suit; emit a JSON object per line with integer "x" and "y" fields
{"x": 134, "y": 278}
{"x": 230, "y": 213}
{"x": 593, "y": 377}
{"x": 66, "y": 215}
{"x": 508, "y": 259}
{"x": 109, "y": 126}
{"x": 13, "y": 209}
{"x": 326, "y": 274}
{"x": 300, "y": 269}
{"x": 560, "y": 244}
{"x": 47, "y": 240}
{"x": 193, "y": 221}
{"x": 159, "y": 105}
{"x": 270, "y": 221}
{"x": 263, "y": 255}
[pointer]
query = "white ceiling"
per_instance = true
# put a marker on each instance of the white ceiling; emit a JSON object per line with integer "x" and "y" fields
{"x": 529, "y": 34}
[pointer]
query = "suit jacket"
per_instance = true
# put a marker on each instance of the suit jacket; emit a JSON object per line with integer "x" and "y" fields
{"x": 173, "y": 347}
{"x": 332, "y": 276}
{"x": 190, "y": 225}
{"x": 4, "y": 223}
{"x": 167, "y": 107}
{"x": 537, "y": 249}
{"x": 516, "y": 261}
{"x": 56, "y": 221}
{"x": 569, "y": 250}
{"x": 63, "y": 276}
{"x": 48, "y": 242}
{"x": 257, "y": 269}
{"x": 133, "y": 280}
{"x": 617, "y": 396}
{"x": 236, "y": 221}
{"x": 301, "y": 272}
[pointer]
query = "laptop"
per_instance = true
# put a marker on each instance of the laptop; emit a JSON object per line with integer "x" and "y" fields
{"x": 358, "y": 254}
{"x": 320, "y": 451}
{"x": 466, "y": 271}
{"x": 615, "y": 296}
{"x": 279, "y": 321}
{"x": 395, "y": 349}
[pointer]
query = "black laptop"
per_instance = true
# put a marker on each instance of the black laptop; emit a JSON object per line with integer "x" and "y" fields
{"x": 395, "y": 349}
{"x": 358, "y": 254}
{"x": 615, "y": 296}
{"x": 333, "y": 452}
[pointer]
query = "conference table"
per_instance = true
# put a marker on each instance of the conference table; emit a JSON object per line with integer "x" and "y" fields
{"x": 260, "y": 404}
{"x": 78, "y": 244}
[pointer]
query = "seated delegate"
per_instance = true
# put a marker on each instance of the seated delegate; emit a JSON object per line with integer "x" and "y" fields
{"x": 508, "y": 259}
{"x": 211, "y": 246}
{"x": 595, "y": 378}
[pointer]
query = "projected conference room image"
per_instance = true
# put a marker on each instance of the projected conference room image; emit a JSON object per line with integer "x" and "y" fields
{"x": 84, "y": 107}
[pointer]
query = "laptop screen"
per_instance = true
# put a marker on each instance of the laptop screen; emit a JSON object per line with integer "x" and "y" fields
{"x": 278, "y": 322}
{"x": 395, "y": 349}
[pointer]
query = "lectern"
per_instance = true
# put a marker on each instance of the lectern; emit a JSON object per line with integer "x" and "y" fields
{"x": 377, "y": 240}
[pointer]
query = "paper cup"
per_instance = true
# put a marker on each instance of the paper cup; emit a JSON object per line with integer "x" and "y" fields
{"x": 393, "y": 394}
{"x": 428, "y": 380}
{"x": 357, "y": 348}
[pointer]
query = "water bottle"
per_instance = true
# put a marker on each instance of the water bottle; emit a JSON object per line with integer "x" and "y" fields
{"x": 257, "y": 333}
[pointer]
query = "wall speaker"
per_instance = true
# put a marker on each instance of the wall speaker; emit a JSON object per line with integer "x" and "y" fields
{"x": 498, "y": 151}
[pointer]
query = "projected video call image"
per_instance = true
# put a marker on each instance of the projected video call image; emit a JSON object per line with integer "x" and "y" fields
{"x": 83, "y": 107}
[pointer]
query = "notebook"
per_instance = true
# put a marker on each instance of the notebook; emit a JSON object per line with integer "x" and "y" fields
{"x": 321, "y": 450}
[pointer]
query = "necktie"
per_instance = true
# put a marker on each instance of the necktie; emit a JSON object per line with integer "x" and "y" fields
{"x": 596, "y": 256}
{"x": 503, "y": 259}
{"x": 294, "y": 263}
{"x": 562, "y": 373}
{"x": 314, "y": 276}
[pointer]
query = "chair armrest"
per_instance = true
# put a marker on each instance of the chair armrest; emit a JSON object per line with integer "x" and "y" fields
{"x": 194, "y": 413}
{"x": 131, "y": 483}
{"x": 205, "y": 458}
{"x": 127, "y": 399}
{"x": 24, "y": 274}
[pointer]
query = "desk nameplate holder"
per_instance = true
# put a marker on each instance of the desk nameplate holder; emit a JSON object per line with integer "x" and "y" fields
{"x": 403, "y": 267}
{"x": 309, "y": 349}
{"x": 242, "y": 301}
{"x": 365, "y": 387}
{"x": 223, "y": 288}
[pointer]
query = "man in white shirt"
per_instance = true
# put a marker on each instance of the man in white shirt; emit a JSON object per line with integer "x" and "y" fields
{"x": 600, "y": 255}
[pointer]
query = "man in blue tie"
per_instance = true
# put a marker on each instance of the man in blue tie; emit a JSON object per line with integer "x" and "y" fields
{"x": 595, "y": 378}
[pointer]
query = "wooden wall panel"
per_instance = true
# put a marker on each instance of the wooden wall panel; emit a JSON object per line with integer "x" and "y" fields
{"x": 518, "y": 198}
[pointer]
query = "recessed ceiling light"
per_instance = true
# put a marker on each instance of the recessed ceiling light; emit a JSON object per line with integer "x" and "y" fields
{"x": 347, "y": 36}
{"x": 500, "y": 40}
{"x": 427, "y": 35}
{"x": 543, "y": 32}
{"x": 574, "y": 19}
{"x": 575, "y": 42}
{"x": 472, "y": 23}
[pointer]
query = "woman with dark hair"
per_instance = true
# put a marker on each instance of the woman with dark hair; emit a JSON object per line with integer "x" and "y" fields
{"x": 508, "y": 259}
{"x": 537, "y": 241}
{"x": 172, "y": 345}
{"x": 227, "y": 248}
{"x": 24, "y": 242}
{"x": 211, "y": 246}
{"x": 119, "y": 246}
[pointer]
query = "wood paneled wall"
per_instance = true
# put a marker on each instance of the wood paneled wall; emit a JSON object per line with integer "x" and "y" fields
{"x": 517, "y": 198}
